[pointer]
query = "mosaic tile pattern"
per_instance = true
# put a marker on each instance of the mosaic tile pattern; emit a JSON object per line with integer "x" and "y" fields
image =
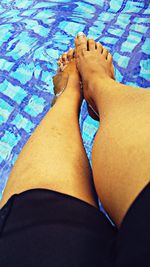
{"x": 34, "y": 33}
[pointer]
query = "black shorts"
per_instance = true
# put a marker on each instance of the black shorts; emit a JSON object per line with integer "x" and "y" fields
{"x": 44, "y": 228}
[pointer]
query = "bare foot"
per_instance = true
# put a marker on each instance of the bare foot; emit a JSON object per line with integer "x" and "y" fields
{"x": 93, "y": 62}
{"x": 67, "y": 81}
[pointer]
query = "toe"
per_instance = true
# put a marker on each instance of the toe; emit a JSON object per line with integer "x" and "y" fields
{"x": 99, "y": 47}
{"x": 64, "y": 58}
{"x": 91, "y": 45}
{"x": 109, "y": 58}
{"x": 105, "y": 53}
{"x": 60, "y": 60}
{"x": 81, "y": 43}
{"x": 70, "y": 54}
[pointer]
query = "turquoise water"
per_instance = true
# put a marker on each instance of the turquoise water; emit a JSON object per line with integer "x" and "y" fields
{"x": 35, "y": 33}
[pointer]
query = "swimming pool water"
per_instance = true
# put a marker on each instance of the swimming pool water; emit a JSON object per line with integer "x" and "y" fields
{"x": 34, "y": 33}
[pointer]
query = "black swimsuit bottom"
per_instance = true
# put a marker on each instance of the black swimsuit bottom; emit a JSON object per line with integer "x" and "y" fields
{"x": 44, "y": 228}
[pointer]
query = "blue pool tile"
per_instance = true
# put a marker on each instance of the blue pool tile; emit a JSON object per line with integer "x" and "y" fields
{"x": 5, "y": 31}
{"x": 87, "y": 9}
{"x": 22, "y": 123}
{"x": 37, "y": 71}
{"x": 133, "y": 39}
{"x": 10, "y": 138}
{"x": 145, "y": 69}
{"x": 13, "y": 14}
{"x": 123, "y": 19}
{"x": 106, "y": 16}
{"x": 115, "y": 6}
{"x": 5, "y": 149}
{"x": 23, "y": 46}
{"x": 1, "y": 160}
{"x": 141, "y": 19}
{"x": 147, "y": 10}
{"x": 27, "y": 13}
{"x": 139, "y": 28}
{"x": 5, "y": 65}
{"x": 35, "y": 106}
{"x": 132, "y": 6}
{"x": 118, "y": 75}
{"x": 45, "y": 15}
{"x": 122, "y": 61}
{"x": 23, "y": 72}
{"x": 36, "y": 27}
{"x": 109, "y": 40}
{"x": 5, "y": 110}
{"x": 44, "y": 4}
{"x": 23, "y": 4}
{"x": 14, "y": 92}
{"x": 46, "y": 78}
{"x": 71, "y": 28}
{"x": 99, "y": 26}
{"x": 115, "y": 31}
{"x": 95, "y": 32}
{"x": 146, "y": 46}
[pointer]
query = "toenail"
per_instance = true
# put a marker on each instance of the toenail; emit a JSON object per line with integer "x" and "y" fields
{"x": 80, "y": 35}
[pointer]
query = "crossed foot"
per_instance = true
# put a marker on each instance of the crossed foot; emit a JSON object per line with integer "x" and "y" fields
{"x": 85, "y": 64}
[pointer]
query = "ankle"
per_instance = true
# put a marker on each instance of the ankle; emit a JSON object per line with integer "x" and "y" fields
{"x": 100, "y": 90}
{"x": 70, "y": 100}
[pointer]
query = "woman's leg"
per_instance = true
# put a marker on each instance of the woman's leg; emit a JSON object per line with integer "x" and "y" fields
{"x": 54, "y": 157}
{"x": 121, "y": 150}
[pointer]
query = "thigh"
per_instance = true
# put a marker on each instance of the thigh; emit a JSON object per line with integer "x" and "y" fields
{"x": 133, "y": 242}
{"x": 46, "y": 228}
